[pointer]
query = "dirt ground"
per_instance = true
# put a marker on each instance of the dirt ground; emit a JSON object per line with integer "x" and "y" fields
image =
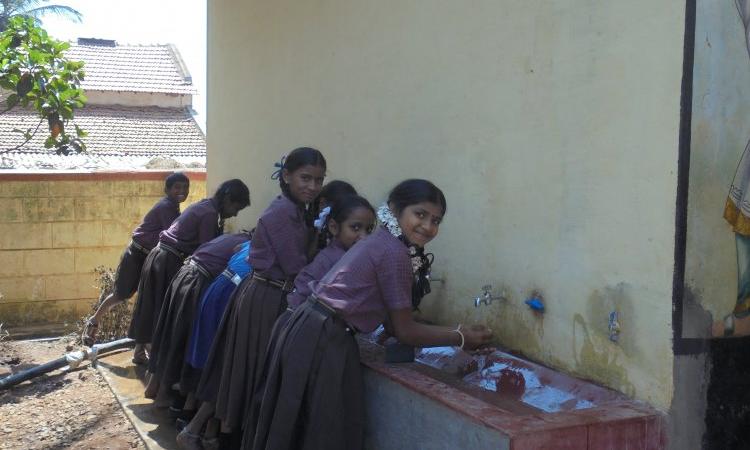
{"x": 61, "y": 410}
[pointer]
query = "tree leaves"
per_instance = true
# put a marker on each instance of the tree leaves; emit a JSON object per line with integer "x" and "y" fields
{"x": 38, "y": 75}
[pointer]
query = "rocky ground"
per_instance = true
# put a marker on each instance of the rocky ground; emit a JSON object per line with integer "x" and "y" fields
{"x": 61, "y": 410}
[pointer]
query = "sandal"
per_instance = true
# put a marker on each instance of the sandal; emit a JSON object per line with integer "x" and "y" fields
{"x": 88, "y": 337}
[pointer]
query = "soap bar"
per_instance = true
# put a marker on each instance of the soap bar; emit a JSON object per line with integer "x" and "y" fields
{"x": 399, "y": 353}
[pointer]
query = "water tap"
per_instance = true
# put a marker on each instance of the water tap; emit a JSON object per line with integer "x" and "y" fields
{"x": 614, "y": 327}
{"x": 486, "y": 297}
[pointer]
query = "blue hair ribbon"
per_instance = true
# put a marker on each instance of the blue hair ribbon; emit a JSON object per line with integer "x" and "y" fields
{"x": 279, "y": 167}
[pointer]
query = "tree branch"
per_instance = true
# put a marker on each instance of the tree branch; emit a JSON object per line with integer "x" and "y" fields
{"x": 30, "y": 137}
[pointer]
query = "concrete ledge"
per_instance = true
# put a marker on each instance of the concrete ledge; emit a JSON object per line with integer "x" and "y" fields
{"x": 126, "y": 380}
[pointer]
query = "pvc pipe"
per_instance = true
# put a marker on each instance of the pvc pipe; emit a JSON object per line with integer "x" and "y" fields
{"x": 72, "y": 359}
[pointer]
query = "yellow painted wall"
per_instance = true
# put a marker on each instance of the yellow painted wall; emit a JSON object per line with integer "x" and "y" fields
{"x": 54, "y": 233}
{"x": 551, "y": 127}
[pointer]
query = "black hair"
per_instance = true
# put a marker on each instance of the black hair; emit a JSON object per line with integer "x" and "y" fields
{"x": 413, "y": 191}
{"x": 341, "y": 208}
{"x": 334, "y": 189}
{"x": 234, "y": 190}
{"x": 300, "y": 157}
{"x": 176, "y": 177}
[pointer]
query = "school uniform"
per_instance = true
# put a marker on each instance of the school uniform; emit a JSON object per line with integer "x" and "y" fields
{"x": 313, "y": 398}
{"x": 236, "y": 358}
{"x": 313, "y": 272}
{"x": 199, "y": 223}
{"x": 303, "y": 284}
{"x": 175, "y": 321}
{"x": 143, "y": 240}
{"x": 208, "y": 315}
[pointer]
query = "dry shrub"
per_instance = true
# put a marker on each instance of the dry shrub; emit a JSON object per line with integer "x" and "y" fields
{"x": 114, "y": 325}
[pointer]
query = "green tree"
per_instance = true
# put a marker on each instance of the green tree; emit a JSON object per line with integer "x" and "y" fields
{"x": 35, "y": 74}
{"x": 33, "y": 9}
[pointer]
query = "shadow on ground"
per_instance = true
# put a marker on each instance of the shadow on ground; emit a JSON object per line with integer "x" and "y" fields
{"x": 127, "y": 382}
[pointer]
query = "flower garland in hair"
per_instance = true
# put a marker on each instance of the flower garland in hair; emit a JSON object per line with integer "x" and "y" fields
{"x": 420, "y": 261}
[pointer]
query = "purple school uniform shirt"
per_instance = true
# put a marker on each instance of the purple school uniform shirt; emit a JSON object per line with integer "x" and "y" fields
{"x": 214, "y": 254}
{"x": 372, "y": 278}
{"x": 198, "y": 224}
{"x": 314, "y": 272}
{"x": 161, "y": 216}
{"x": 279, "y": 249}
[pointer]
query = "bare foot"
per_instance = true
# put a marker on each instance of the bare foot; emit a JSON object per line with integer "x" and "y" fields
{"x": 189, "y": 441}
{"x": 722, "y": 328}
{"x": 152, "y": 388}
{"x": 140, "y": 356}
{"x": 88, "y": 337}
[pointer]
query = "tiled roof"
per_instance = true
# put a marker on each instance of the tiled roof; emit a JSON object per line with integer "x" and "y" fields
{"x": 118, "y": 136}
{"x": 132, "y": 68}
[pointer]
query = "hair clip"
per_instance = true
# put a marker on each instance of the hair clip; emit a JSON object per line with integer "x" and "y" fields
{"x": 279, "y": 167}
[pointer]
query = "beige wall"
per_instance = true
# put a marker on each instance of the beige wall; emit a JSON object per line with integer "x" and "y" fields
{"x": 55, "y": 229}
{"x": 551, "y": 127}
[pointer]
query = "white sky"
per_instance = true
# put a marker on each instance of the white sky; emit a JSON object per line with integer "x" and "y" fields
{"x": 179, "y": 22}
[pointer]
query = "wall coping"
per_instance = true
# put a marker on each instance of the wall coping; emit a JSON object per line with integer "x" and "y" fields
{"x": 131, "y": 175}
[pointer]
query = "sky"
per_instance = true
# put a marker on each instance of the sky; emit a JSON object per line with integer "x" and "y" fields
{"x": 179, "y": 22}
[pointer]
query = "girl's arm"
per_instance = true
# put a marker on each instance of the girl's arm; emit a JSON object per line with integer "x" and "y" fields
{"x": 418, "y": 334}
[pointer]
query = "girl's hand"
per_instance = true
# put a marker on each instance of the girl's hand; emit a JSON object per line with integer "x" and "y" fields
{"x": 476, "y": 336}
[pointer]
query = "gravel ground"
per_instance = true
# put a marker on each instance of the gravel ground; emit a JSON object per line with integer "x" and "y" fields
{"x": 61, "y": 410}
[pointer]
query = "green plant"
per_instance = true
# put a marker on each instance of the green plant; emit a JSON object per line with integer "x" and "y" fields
{"x": 37, "y": 75}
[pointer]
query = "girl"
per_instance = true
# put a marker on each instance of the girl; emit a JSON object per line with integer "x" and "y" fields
{"x": 209, "y": 312}
{"x": 201, "y": 222}
{"x": 145, "y": 237}
{"x": 176, "y": 318}
{"x": 278, "y": 253}
{"x": 313, "y": 394}
{"x": 351, "y": 219}
{"x": 207, "y": 318}
{"x": 331, "y": 191}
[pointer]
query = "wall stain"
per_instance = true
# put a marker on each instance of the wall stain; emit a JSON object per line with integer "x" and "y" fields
{"x": 598, "y": 364}
{"x": 613, "y": 298}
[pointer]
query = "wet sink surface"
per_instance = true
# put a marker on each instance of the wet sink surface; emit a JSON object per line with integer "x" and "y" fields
{"x": 531, "y": 404}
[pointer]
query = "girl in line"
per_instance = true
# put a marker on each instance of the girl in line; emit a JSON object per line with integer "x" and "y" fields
{"x": 199, "y": 223}
{"x": 144, "y": 239}
{"x": 313, "y": 397}
{"x": 208, "y": 314}
{"x": 176, "y": 318}
{"x": 279, "y": 251}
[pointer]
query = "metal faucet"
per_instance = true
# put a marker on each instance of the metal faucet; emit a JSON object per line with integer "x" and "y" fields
{"x": 487, "y": 298}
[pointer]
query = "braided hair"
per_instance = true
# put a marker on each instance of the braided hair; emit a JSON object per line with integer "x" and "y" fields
{"x": 411, "y": 192}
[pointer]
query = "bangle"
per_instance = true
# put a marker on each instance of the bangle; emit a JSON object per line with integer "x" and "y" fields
{"x": 458, "y": 330}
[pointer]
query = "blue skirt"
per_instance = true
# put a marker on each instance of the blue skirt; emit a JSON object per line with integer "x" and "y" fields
{"x": 207, "y": 318}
